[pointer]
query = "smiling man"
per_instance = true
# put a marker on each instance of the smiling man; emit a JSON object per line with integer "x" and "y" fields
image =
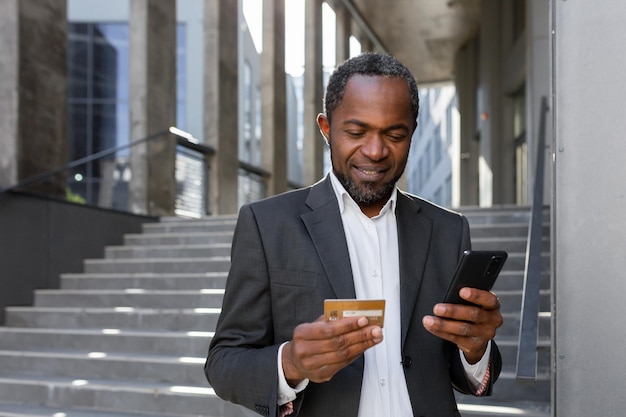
{"x": 370, "y": 139}
{"x": 353, "y": 235}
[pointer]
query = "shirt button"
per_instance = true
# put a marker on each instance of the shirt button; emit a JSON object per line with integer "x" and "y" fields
{"x": 374, "y": 273}
{"x": 383, "y": 382}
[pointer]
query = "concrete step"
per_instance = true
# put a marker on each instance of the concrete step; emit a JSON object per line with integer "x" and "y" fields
{"x": 178, "y": 238}
{"x": 516, "y": 261}
{"x": 167, "y": 265}
{"x": 486, "y": 406}
{"x": 514, "y": 280}
{"x": 182, "y": 343}
{"x": 508, "y": 349}
{"x": 174, "y": 370}
{"x": 500, "y": 214}
{"x": 504, "y": 230}
{"x": 137, "y": 298}
{"x": 213, "y": 217}
{"x": 120, "y": 318}
{"x": 509, "y": 244}
{"x": 187, "y": 344}
{"x": 508, "y": 390}
{"x": 510, "y": 328}
{"x": 68, "y": 397}
{"x": 168, "y": 251}
{"x": 148, "y": 280}
{"x": 195, "y": 226}
{"x": 511, "y": 301}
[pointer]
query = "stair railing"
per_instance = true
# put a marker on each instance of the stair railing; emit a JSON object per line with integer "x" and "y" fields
{"x": 529, "y": 321}
{"x": 192, "y": 162}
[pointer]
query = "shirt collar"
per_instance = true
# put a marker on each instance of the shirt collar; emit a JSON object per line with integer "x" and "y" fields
{"x": 343, "y": 198}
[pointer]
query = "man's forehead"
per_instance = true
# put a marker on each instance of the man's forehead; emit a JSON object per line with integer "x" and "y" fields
{"x": 359, "y": 82}
{"x": 376, "y": 89}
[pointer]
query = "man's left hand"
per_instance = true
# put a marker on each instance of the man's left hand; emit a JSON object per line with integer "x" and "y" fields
{"x": 469, "y": 327}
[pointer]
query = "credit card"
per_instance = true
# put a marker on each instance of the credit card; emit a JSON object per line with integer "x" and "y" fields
{"x": 374, "y": 310}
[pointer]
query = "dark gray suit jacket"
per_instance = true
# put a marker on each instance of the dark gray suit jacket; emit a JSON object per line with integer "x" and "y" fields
{"x": 289, "y": 253}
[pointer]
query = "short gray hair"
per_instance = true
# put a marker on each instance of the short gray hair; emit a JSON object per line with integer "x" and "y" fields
{"x": 369, "y": 64}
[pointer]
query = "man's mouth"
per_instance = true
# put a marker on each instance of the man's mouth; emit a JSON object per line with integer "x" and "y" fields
{"x": 368, "y": 171}
{"x": 372, "y": 173}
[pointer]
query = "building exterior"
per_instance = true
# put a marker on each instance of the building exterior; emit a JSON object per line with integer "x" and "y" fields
{"x": 433, "y": 168}
{"x": 504, "y": 58}
{"x": 99, "y": 56}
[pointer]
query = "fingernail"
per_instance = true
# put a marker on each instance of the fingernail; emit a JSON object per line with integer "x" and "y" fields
{"x": 362, "y": 322}
{"x": 377, "y": 335}
{"x": 428, "y": 321}
{"x": 439, "y": 309}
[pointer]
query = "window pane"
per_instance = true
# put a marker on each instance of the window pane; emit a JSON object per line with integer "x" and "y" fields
{"x": 78, "y": 59}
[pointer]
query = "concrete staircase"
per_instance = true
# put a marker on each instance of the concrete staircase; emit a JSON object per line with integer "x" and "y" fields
{"x": 129, "y": 336}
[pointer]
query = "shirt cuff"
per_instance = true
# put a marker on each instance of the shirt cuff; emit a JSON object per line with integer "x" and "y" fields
{"x": 476, "y": 373}
{"x": 285, "y": 392}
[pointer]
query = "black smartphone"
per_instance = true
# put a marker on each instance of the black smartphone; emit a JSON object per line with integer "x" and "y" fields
{"x": 476, "y": 269}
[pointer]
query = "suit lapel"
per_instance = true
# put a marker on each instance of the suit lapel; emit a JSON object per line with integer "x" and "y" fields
{"x": 324, "y": 225}
{"x": 414, "y": 233}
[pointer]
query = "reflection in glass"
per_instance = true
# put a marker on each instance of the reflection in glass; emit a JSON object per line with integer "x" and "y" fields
{"x": 98, "y": 109}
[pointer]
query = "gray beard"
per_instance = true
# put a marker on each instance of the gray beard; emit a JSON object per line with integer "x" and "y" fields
{"x": 365, "y": 194}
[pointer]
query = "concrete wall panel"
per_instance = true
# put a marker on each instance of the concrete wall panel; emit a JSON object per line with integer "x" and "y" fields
{"x": 589, "y": 205}
{"x": 40, "y": 239}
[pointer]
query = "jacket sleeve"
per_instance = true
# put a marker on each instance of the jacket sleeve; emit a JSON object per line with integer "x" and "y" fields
{"x": 242, "y": 352}
{"x": 457, "y": 372}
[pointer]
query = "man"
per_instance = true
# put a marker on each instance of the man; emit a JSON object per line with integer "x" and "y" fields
{"x": 353, "y": 235}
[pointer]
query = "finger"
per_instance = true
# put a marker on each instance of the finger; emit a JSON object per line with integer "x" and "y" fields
{"x": 459, "y": 312}
{"x": 490, "y": 320}
{"x": 460, "y": 328}
{"x": 346, "y": 352}
{"x": 319, "y": 360}
{"x": 339, "y": 340}
{"x": 485, "y": 299}
{"x": 441, "y": 327}
{"x": 354, "y": 339}
{"x": 322, "y": 330}
{"x": 461, "y": 335}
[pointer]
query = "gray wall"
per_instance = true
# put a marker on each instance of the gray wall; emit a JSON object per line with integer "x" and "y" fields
{"x": 40, "y": 239}
{"x": 589, "y": 225}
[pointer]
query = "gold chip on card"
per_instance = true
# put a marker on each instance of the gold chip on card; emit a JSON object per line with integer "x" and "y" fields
{"x": 374, "y": 310}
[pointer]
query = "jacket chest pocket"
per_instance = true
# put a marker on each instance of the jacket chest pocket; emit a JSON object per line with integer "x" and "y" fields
{"x": 296, "y": 298}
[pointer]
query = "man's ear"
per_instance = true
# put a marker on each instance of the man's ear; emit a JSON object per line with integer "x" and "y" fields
{"x": 322, "y": 122}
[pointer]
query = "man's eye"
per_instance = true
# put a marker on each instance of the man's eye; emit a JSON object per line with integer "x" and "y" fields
{"x": 355, "y": 133}
{"x": 396, "y": 137}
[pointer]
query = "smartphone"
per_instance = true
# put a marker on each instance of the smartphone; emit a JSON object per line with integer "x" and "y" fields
{"x": 476, "y": 269}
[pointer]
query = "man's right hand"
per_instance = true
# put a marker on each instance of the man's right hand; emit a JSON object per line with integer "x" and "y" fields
{"x": 320, "y": 349}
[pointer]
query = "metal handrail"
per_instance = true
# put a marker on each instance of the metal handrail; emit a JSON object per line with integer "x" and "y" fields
{"x": 248, "y": 167}
{"x": 529, "y": 321}
{"x": 182, "y": 139}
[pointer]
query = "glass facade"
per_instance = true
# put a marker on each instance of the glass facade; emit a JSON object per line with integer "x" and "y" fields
{"x": 97, "y": 98}
{"x": 430, "y": 166}
{"x": 98, "y": 109}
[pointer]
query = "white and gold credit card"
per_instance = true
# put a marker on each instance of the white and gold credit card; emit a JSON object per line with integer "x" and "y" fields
{"x": 374, "y": 310}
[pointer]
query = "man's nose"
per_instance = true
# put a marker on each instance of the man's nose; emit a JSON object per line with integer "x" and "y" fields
{"x": 375, "y": 147}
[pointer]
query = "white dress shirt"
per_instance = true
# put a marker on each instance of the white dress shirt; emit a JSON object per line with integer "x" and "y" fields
{"x": 374, "y": 258}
